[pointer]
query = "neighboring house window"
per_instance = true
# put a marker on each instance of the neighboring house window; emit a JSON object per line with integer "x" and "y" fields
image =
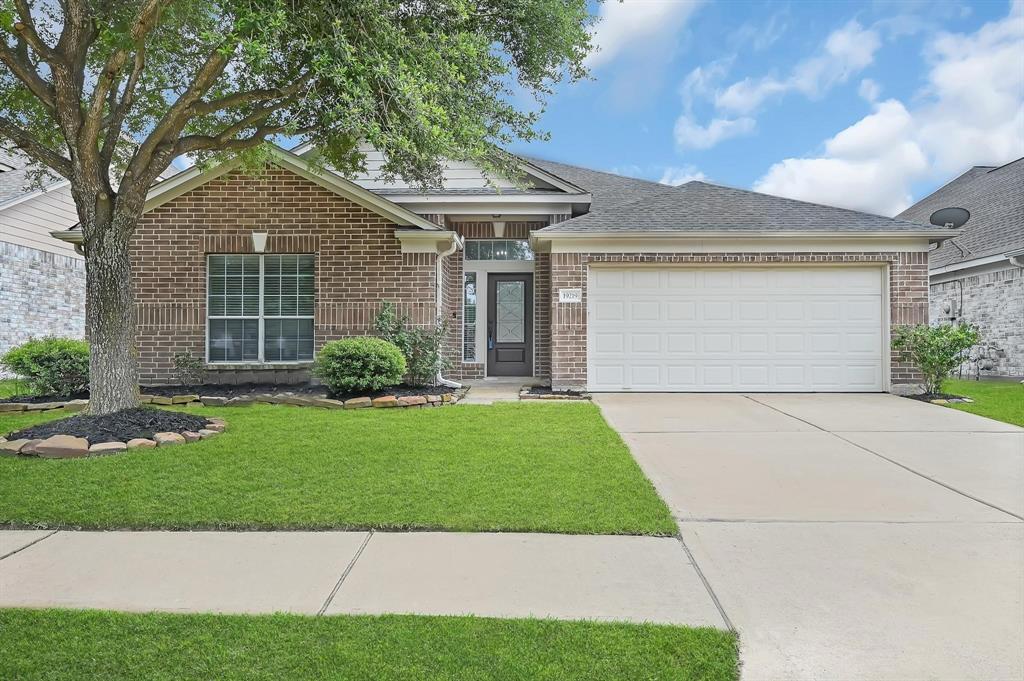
{"x": 498, "y": 249}
{"x": 469, "y": 318}
{"x": 260, "y": 308}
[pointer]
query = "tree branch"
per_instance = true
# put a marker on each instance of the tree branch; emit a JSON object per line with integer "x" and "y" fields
{"x": 17, "y": 61}
{"x": 23, "y": 140}
{"x": 119, "y": 111}
{"x": 25, "y": 30}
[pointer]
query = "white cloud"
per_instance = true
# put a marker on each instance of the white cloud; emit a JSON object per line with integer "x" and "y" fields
{"x": 846, "y": 51}
{"x": 970, "y": 113}
{"x": 677, "y": 175}
{"x": 692, "y": 135}
{"x": 644, "y": 27}
{"x": 869, "y": 90}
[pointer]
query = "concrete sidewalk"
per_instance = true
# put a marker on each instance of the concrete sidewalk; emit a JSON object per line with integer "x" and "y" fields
{"x": 626, "y": 578}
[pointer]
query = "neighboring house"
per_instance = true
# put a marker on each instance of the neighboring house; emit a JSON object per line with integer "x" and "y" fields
{"x": 978, "y": 277}
{"x": 581, "y": 278}
{"x": 42, "y": 279}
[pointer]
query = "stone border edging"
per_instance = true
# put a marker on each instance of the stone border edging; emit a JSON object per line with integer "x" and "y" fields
{"x": 73, "y": 447}
{"x": 384, "y": 401}
{"x": 525, "y": 394}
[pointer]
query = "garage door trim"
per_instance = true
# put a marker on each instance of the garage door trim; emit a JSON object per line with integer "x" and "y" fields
{"x": 881, "y": 266}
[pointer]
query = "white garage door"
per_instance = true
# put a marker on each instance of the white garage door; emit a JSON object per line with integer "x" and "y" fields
{"x": 815, "y": 329}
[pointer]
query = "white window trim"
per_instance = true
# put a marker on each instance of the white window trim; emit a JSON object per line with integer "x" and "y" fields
{"x": 260, "y": 317}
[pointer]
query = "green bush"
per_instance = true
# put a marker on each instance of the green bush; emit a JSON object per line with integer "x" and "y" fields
{"x": 51, "y": 366}
{"x": 934, "y": 350}
{"x": 422, "y": 348}
{"x": 359, "y": 364}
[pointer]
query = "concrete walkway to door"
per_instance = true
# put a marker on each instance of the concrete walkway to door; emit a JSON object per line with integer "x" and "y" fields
{"x": 845, "y": 536}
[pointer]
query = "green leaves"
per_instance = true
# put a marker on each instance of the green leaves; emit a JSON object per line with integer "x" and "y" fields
{"x": 934, "y": 350}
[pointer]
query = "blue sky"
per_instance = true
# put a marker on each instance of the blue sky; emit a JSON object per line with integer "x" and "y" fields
{"x": 868, "y": 105}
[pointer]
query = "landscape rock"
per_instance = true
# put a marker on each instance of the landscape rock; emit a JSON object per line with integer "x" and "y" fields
{"x": 184, "y": 399}
{"x": 209, "y": 401}
{"x": 239, "y": 402}
{"x": 327, "y": 403}
{"x": 76, "y": 405}
{"x": 12, "y": 406}
{"x": 62, "y": 447}
{"x": 215, "y": 427}
{"x": 30, "y": 448}
{"x": 358, "y": 403}
{"x": 385, "y": 401}
{"x": 190, "y": 436}
{"x": 940, "y": 401}
{"x": 297, "y": 400}
{"x": 145, "y": 399}
{"x": 160, "y": 399}
{"x": 447, "y": 397}
{"x": 43, "y": 406}
{"x": 107, "y": 448}
{"x": 141, "y": 443}
{"x": 433, "y": 399}
{"x": 13, "y": 447}
{"x": 412, "y": 401}
{"x": 164, "y": 439}
{"x": 205, "y": 433}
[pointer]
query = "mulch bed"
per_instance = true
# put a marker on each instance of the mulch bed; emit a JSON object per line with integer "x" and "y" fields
{"x": 244, "y": 389}
{"x": 928, "y": 397}
{"x": 42, "y": 399}
{"x": 119, "y": 426}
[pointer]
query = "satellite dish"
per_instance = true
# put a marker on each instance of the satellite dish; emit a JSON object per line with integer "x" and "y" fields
{"x": 951, "y": 218}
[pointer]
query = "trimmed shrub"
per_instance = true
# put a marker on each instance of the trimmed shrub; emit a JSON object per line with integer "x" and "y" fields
{"x": 359, "y": 364}
{"x": 421, "y": 347}
{"x": 51, "y": 366}
{"x": 935, "y": 350}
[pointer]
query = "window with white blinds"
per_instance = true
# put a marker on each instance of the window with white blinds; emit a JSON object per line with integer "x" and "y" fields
{"x": 260, "y": 308}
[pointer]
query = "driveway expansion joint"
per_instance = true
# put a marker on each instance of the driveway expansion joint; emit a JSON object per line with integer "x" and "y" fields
{"x": 31, "y": 543}
{"x": 348, "y": 569}
{"x": 707, "y": 585}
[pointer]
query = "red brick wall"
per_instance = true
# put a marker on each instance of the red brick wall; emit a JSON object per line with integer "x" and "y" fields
{"x": 359, "y": 262}
{"x": 908, "y": 291}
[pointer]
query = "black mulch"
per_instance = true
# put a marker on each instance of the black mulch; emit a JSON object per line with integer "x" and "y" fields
{"x": 546, "y": 390}
{"x": 39, "y": 399}
{"x": 397, "y": 391}
{"x": 119, "y": 426}
{"x": 928, "y": 397}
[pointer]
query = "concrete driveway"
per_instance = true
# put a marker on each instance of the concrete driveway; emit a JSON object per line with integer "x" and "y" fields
{"x": 846, "y": 536}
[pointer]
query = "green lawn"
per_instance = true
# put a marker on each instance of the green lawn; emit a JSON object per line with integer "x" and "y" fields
{"x": 10, "y": 387}
{"x": 512, "y": 467}
{"x": 62, "y": 644}
{"x": 999, "y": 400}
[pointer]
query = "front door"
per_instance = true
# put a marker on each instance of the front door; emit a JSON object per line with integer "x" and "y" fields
{"x": 509, "y": 324}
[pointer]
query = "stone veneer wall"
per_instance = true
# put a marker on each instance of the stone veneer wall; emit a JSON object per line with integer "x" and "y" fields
{"x": 994, "y": 302}
{"x": 908, "y": 290}
{"x": 359, "y": 263}
{"x": 41, "y": 294}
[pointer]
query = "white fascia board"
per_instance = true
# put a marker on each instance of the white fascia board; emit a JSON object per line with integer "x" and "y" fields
{"x": 488, "y": 209}
{"x": 423, "y": 241}
{"x": 716, "y": 242}
{"x": 968, "y": 264}
{"x": 33, "y": 194}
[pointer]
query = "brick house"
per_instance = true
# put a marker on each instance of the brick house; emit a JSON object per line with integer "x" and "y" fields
{"x": 978, "y": 277}
{"x": 580, "y": 278}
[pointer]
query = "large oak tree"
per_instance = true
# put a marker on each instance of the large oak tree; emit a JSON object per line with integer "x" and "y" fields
{"x": 106, "y": 93}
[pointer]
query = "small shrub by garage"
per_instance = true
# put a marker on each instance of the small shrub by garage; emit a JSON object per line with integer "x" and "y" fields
{"x": 359, "y": 364}
{"x": 935, "y": 351}
{"x": 51, "y": 366}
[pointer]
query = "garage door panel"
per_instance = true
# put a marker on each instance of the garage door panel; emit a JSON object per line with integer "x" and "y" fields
{"x": 735, "y": 329}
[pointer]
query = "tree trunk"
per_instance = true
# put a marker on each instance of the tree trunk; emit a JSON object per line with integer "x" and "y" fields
{"x": 110, "y": 319}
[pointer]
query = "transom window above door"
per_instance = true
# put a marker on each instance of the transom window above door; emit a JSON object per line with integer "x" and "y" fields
{"x": 260, "y": 308}
{"x": 498, "y": 249}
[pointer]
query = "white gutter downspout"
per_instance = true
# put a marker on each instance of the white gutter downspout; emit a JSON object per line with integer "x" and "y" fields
{"x": 439, "y": 297}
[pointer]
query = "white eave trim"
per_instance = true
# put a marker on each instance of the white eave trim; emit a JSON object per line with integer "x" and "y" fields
{"x": 194, "y": 177}
{"x": 745, "y": 234}
{"x": 421, "y": 241}
{"x": 567, "y": 199}
{"x": 976, "y": 262}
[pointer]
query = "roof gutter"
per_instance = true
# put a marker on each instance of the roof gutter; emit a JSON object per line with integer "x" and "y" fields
{"x": 544, "y": 235}
{"x": 1016, "y": 257}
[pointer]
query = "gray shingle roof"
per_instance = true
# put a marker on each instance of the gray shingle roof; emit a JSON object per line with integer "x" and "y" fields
{"x": 700, "y": 206}
{"x": 606, "y": 189}
{"x": 995, "y": 198}
{"x": 16, "y": 182}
